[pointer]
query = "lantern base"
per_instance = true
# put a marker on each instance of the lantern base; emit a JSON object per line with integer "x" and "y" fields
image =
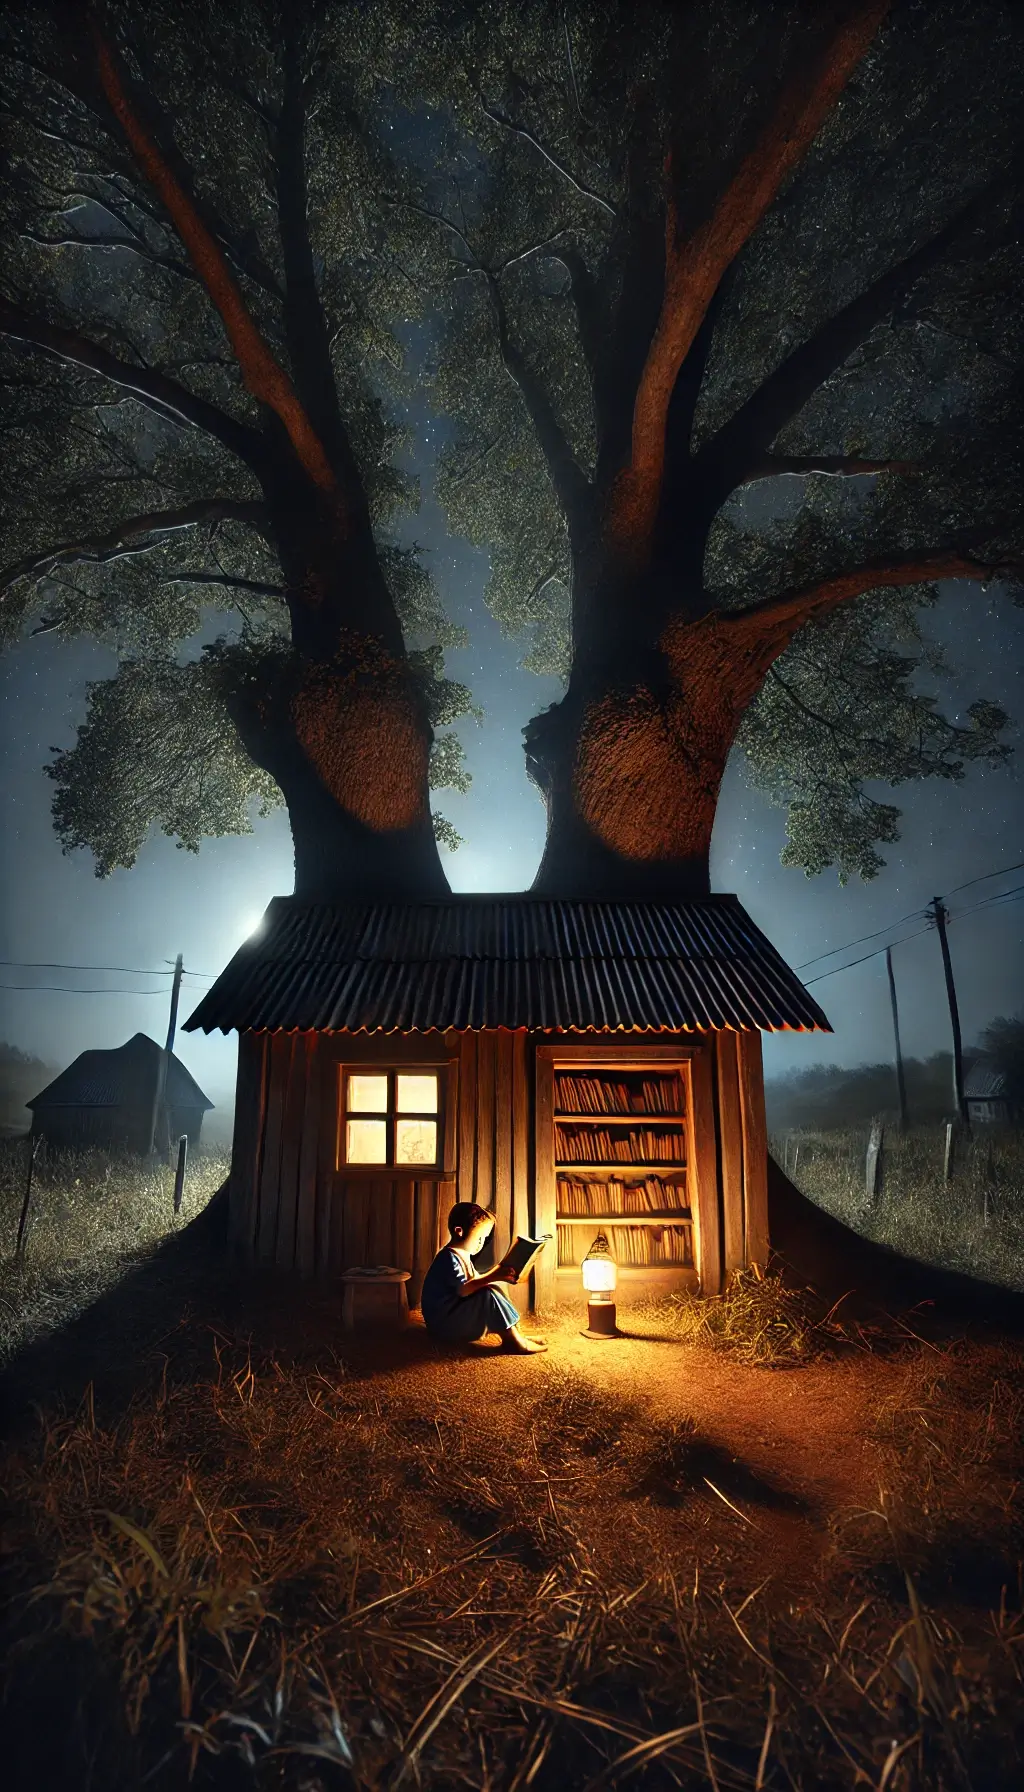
{"x": 601, "y": 1317}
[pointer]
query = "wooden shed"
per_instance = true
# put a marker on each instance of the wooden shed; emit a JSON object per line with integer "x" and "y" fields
{"x": 987, "y": 1095}
{"x": 105, "y": 1099}
{"x": 577, "y": 1067}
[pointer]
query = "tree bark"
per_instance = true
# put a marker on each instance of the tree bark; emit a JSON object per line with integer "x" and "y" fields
{"x": 347, "y": 741}
{"x": 631, "y": 761}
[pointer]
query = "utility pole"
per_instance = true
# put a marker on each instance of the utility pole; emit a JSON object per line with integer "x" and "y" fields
{"x": 938, "y": 915}
{"x": 900, "y": 1078}
{"x": 163, "y": 1142}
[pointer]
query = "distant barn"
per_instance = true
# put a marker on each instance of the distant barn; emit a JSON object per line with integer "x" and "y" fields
{"x": 987, "y": 1095}
{"x": 105, "y": 1099}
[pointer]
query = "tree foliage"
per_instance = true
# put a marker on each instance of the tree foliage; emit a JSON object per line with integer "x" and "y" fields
{"x": 134, "y": 509}
{"x": 565, "y": 190}
{"x": 853, "y": 396}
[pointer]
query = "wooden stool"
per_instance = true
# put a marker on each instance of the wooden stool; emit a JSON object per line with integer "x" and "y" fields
{"x": 374, "y": 1297}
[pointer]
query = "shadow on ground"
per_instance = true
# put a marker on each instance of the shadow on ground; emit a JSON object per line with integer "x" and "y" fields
{"x": 126, "y": 1336}
{"x": 815, "y": 1250}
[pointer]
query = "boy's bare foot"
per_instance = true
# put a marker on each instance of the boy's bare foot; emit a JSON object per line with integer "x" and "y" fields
{"x": 515, "y": 1344}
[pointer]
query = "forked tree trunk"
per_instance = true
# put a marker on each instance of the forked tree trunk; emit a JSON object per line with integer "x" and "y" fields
{"x": 341, "y": 726}
{"x": 631, "y": 761}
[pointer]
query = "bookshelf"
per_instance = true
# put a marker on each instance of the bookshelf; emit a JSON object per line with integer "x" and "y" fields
{"x": 619, "y": 1150}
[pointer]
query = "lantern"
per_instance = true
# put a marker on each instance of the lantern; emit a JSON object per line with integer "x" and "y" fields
{"x": 599, "y": 1277}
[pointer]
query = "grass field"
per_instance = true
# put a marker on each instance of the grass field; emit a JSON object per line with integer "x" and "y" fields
{"x": 93, "y": 1214}
{"x": 738, "y": 1548}
{"x": 973, "y": 1223}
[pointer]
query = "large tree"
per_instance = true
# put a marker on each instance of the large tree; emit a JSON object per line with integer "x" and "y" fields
{"x": 735, "y": 344}
{"x": 198, "y": 312}
{"x": 680, "y": 254}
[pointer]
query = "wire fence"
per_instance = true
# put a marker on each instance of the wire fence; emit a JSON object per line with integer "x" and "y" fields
{"x": 952, "y": 1199}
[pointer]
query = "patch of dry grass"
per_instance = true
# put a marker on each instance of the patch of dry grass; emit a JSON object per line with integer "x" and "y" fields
{"x": 759, "y": 1319}
{"x": 93, "y": 1214}
{"x": 974, "y": 1223}
{"x": 275, "y": 1574}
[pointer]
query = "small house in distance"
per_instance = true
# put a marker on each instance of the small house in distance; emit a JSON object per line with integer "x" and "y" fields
{"x": 578, "y": 1067}
{"x": 105, "y": 1100}
{"x": 987, "y": 1095}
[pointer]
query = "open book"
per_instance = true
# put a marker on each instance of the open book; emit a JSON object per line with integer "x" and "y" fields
{"x": 520, "y": 1257}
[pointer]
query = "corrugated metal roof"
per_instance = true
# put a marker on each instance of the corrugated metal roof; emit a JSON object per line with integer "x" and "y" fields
{"x": 121, "y": 1077}
{"x": 507, "y": 961}
{"x": 985, "y": 1083}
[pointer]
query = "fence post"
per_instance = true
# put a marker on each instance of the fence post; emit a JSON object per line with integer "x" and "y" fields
{"x": 989, "y": 1185}
{"x": 26, "y": 1204}
{"x": 179, "y": 1174}
{"x": 949, "y": 1153}
{"x": 873, "y": 1161}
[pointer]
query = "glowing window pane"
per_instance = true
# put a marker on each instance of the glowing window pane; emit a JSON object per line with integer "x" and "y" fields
{"x": 417, "y": 1095}
{"x": 368, "y": 1095}
{"x": 366, "y": 1141}
{"x": 415, "y": 1141}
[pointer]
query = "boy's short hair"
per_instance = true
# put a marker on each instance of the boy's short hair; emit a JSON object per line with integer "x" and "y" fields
{"x": 465, "y": 1214}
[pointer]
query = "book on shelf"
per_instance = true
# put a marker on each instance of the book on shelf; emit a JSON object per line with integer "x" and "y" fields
{"x": 640, "y": 1145}
{"x": 580, "y": 1198}
{"x": 520, "y": 1257}
{"x": 624, "y": 1094}
{"x": 633, "y": 1247}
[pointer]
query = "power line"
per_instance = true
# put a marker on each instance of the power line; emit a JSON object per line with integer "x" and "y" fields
{"x": 849, "y": 944}
{"x": 989, "y": 902}
{"x": 70, "y": 989}
{"x": 859, "y": 942}
{"x": 133, "y": 970}
{"x": 863, "y": 960}
{"x": 985, "y": 877}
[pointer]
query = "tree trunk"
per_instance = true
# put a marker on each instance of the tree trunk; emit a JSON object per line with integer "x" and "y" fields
{"x": 630, "y": 763}
{"x": 341, "y": 725}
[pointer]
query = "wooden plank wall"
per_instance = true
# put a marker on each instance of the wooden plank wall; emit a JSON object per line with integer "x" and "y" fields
{"x": 494, "y": 1162}
{"x": 380, "y": 1220}
{"x": 275, "y": 1172}
{"x": 730, "y": 1148}
{"x": 754, "y": 1127}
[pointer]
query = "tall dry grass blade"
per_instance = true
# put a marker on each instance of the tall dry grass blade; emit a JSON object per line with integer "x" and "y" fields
{"x": 702, "y": 1728}
{"x": 145, "y": 1543}
{"x": 728, "y": 1502}
{"x": 893, "y": 1758}
{"x": 762, "y": 1759}
{"x": 436, "y": 1709}
{"x": 641, "y": 1755}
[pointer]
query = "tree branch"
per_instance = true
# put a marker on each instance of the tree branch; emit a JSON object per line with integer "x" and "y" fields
{"x": 590, "y": 322}
{"x": 227, "y": 579}
{"x": 157, "y": 391}
{"x": 750, "y": 431}
{"x": 694, "y": 268}
{"x": 519, "y": 130}
{"x": 308, "y": 337}
{"x": 570, "y": 485}
{"x": 133, "y": 536}
{"x": 772, "y": 466}
{"x": 777, "y": 619}
{"x": 264, "y": 377}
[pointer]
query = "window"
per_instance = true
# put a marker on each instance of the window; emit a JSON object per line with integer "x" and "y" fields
{"x": 391, "y": 1118}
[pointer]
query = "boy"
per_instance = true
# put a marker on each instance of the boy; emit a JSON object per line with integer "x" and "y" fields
{"x": 459, "y": 1305}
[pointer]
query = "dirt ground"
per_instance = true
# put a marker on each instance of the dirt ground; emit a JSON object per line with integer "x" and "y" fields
{"x": 655, "y": 1536}
{"x": 789, "y": 1452}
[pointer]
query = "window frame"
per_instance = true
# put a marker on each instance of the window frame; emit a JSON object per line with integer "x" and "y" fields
{"x": 392, "y": 1071}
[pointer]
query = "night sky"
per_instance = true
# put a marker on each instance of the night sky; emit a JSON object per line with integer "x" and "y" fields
{"x": 56, "y": 911}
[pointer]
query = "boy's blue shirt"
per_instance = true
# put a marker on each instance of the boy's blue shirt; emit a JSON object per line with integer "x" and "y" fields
{"x": 441, "y": 1284}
